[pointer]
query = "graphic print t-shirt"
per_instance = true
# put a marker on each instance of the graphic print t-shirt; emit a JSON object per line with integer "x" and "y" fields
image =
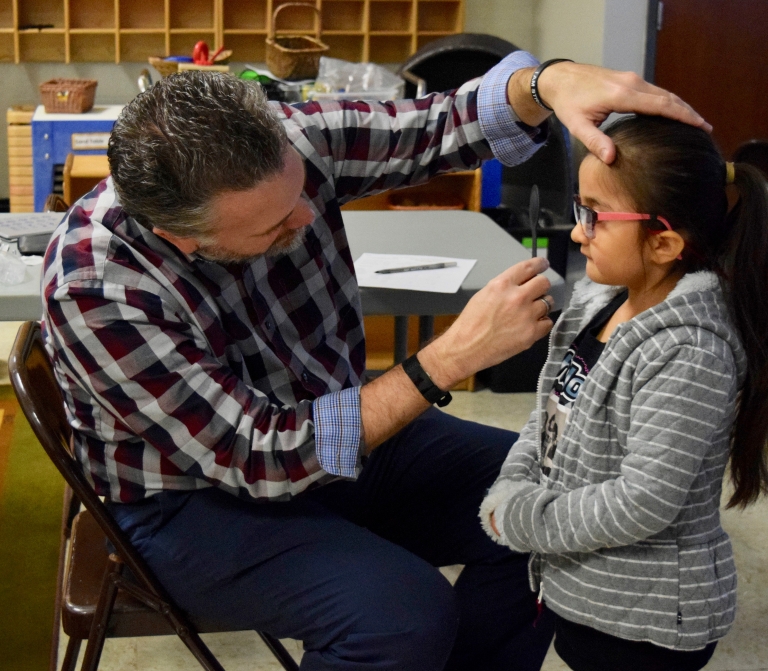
{"x": 581, "y": 356}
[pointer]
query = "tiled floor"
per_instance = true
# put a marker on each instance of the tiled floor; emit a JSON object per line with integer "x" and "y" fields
{"x": 745, "y": 648}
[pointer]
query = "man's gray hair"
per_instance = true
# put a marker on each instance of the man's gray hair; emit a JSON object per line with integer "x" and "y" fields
{"x": 188, "y": 138}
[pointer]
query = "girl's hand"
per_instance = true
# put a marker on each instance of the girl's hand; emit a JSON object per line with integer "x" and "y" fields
{"x": 493, "y": 523}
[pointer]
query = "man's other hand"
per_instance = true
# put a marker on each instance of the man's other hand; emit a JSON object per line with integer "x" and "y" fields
{"x": 503, "y": 319}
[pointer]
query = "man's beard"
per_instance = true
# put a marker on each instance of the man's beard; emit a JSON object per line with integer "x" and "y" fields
{"x": 285, "y": 243}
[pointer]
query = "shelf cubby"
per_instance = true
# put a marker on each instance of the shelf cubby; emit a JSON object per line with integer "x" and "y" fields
{"x": 293, "y": 18}
{"x": 138, "y": 47}
{"x": 183, "y": 41}
{"x": 390, "y": 16}
{"x": 40, "y": 13}
{"x": 247, "y": 47}
{"x": 92, "y": 47}
{"x": 39, "y": 47}
{"x": 444, "y": 17}
{"x": 91, "y": 14}
{"x": 346, "y": 47}
{"x": 6, "y": 15}
{"x": 192, "y": 14}
{"x": 238, "y": 14}
{"x": 390, "y": 48}
{"x": 343, "y": 15}
{"x": 142, "y": 15}
{"x": 7, "y": 47}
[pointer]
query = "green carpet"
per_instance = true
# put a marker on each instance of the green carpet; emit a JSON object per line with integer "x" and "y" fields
{"x": 31, "y": 491}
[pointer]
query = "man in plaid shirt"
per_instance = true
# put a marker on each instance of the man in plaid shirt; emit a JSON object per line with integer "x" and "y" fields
{"x": 204, "y": 320}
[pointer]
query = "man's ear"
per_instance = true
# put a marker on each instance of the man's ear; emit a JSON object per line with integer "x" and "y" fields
{"x": 186, "y": 245}
{"x": 666, "y": 246}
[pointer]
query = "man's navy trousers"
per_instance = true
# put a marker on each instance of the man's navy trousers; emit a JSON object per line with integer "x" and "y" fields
{"x": 349, "y": 568}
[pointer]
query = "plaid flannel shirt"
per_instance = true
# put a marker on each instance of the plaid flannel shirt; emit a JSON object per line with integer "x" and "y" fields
{"x": 180, "y": 373}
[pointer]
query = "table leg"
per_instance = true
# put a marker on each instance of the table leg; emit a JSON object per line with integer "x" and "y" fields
{"x": 401, "y": 339}
{"x": 426, "y": 329}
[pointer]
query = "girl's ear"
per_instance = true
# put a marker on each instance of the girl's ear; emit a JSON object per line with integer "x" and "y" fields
{"x": 665, "y": 247}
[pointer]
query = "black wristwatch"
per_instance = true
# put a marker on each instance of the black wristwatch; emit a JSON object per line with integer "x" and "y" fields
{"x": 424, "y": 384}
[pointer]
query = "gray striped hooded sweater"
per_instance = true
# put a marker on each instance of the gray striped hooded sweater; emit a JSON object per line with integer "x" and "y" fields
{"x": 625, "y": 532}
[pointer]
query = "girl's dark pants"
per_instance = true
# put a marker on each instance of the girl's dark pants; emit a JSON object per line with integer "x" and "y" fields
{"x": 586, "y": 649}
{"x": 349, "y": 568}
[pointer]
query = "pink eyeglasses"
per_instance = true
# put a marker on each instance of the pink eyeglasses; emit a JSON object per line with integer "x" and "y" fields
{"x": 587, "y": 218}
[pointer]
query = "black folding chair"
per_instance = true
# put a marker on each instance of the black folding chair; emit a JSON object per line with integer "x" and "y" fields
{"x": 96, "y": 597}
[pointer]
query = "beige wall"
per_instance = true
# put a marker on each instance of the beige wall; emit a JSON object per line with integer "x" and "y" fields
{"x": 570, "y": 29}
{"x": 546, "y": 28}
{"x": 509, "y": 19}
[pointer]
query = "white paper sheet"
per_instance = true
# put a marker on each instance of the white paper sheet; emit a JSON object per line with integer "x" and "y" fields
{"x": 441, "y": 280}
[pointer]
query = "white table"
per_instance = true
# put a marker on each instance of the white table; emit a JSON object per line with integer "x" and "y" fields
{"x": 21, "y": 302}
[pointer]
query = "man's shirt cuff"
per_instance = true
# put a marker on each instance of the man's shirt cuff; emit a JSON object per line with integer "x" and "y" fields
{"x": 511, "y": 140}
{"x": 338, "y": 429}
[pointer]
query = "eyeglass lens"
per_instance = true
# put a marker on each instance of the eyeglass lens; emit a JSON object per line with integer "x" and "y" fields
{"x": 584, "y": 216}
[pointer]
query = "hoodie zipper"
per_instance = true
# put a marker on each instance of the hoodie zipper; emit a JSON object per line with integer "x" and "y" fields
{"x": 539, "y": 603}
{"x": 538, "y": 390}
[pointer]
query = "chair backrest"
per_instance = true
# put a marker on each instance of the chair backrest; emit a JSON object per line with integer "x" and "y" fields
{"x": 448, "y": 62}
{"x": 40, "y": 398}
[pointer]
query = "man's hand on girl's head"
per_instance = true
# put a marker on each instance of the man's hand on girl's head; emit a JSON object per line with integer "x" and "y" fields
{"x": 583, "y": 96}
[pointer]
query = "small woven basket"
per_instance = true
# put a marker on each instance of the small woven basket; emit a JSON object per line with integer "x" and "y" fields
{"x": 294, "y": 56}
{"x": 163, "y": 66}
{"x": 69, "y": 96}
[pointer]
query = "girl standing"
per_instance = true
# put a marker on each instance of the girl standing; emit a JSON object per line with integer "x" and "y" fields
{"x": 657, "y": 375}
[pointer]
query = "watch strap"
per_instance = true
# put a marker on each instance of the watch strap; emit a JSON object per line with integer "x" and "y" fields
{"x": 535, "y": 81}
{"x": 429, "y": 390}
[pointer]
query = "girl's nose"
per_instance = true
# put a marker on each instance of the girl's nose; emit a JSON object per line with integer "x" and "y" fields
{"x": 577, "y": 235}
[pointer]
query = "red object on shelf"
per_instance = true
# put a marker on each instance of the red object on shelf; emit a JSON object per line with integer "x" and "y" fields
{"x": 201, "y": 53}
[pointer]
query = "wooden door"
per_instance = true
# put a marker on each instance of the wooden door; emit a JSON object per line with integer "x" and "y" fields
{"x": 714, "y": 55}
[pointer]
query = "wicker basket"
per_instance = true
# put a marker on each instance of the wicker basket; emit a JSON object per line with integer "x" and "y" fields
{"x": 294, "y": 56}
{"x": 69, "y": 96}
{"x": 163, "y": 66}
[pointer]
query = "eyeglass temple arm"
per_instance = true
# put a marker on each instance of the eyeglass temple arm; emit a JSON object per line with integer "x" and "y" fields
{"x": 630, "y": 216}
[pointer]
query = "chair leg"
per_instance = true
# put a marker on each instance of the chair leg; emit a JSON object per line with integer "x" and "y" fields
{"x": 69, "y": 509}
{"x": 279, "y": 651}
{"x": 101, "y": 615}
{"x": 70, "y": 658}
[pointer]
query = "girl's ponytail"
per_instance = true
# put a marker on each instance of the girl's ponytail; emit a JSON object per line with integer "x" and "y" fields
{"x": 746, "y": 272}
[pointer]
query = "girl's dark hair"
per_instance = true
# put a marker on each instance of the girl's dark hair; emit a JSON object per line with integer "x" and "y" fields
{"x": 674, "y": 170}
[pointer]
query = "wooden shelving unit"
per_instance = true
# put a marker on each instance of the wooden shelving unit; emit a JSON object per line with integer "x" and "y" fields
{"x": 65, "y": 31}
{"x": 20, "y": 179}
